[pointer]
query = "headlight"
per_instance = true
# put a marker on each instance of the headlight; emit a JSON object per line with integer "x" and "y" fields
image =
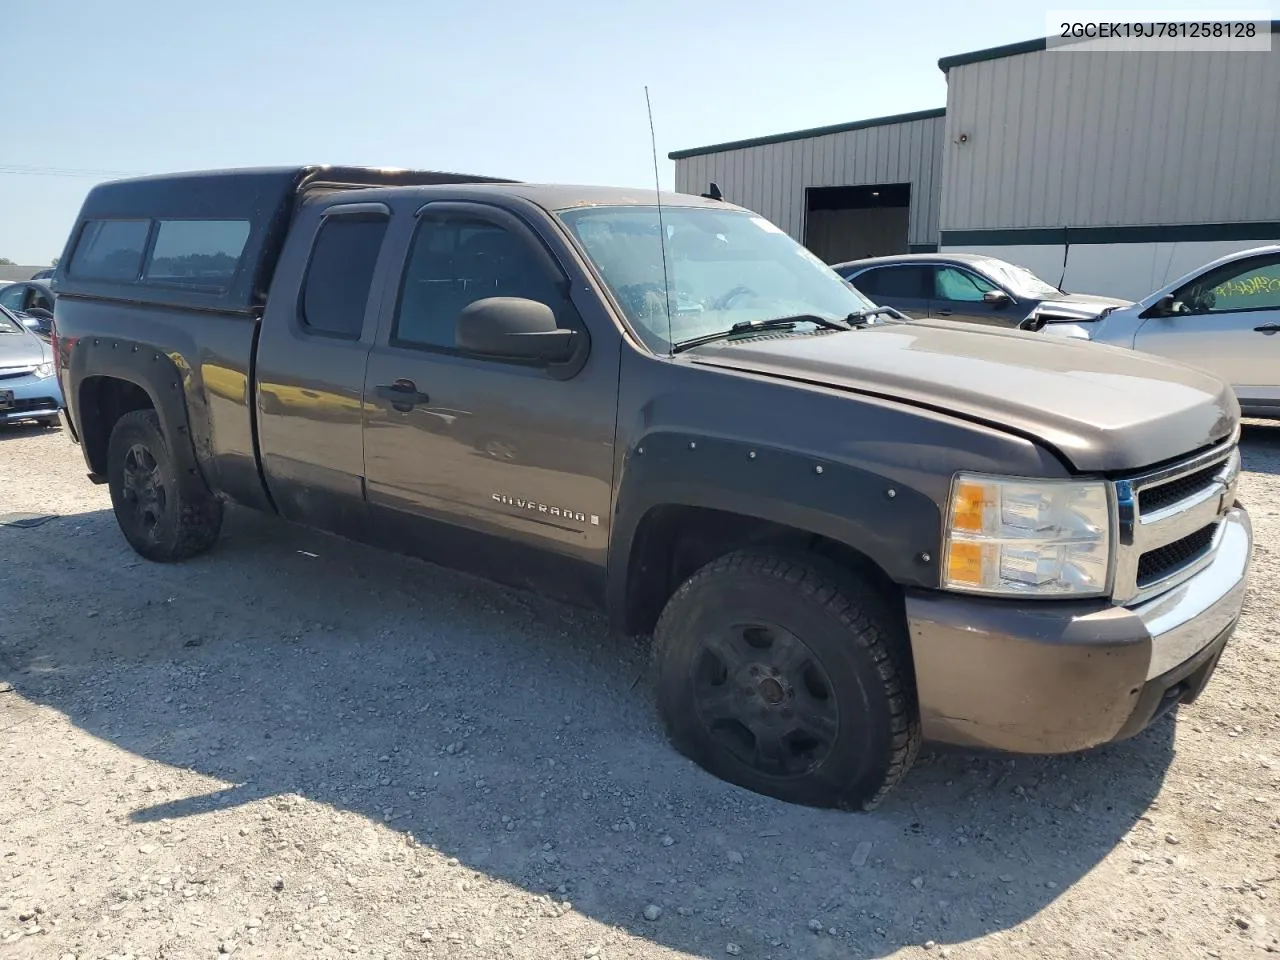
{"x": 1027, "y": 537}
{"x": 44, "y": 370}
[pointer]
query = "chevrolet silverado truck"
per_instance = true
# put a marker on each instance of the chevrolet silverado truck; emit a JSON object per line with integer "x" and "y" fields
{"x": 846, "y": 531}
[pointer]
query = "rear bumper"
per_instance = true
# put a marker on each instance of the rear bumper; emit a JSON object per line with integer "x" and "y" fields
{"x": 1058, "y": 677}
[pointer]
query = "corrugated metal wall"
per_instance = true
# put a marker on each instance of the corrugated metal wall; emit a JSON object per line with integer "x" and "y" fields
{"x": 1059, "y": 139}
{"x": 771, "y": 178}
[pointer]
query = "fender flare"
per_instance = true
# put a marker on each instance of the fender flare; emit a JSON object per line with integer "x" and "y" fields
{"x": 899, "y": 532}
{"x": 167, "y": 380}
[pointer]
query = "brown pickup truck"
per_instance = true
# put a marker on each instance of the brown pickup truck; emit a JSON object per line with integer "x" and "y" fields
{"x": 847, "y": 531}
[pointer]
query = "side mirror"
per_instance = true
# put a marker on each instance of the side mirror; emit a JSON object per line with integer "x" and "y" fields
{"x": 997, "y": 298}
{"x": 513, "y": 328}
{"x": 1164, "y": 307}
{"x": 40, "y": 313}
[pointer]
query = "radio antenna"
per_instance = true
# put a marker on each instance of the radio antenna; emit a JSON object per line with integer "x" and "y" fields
{"x": 662, "y": 228}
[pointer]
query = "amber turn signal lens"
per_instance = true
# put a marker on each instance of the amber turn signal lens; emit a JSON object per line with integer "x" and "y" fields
{"x": 964, "y": 563}
{"x": 969, "y": 506}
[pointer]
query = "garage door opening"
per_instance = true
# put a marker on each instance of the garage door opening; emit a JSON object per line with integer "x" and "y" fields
{"x": 849, "y": 223}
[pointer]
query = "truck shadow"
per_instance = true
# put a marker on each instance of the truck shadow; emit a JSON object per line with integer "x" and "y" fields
{"x": 518, "y": 736}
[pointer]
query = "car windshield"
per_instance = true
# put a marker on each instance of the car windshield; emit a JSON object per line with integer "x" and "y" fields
{"x": 1020, "y": 280}
{"x": 724, "y": 267}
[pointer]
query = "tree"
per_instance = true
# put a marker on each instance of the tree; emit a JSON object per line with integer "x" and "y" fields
{"x": 6, "y": 262}
{"x": 53, "y": 262}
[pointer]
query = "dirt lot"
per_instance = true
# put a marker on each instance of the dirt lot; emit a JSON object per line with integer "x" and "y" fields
{"x": 299, "y": 747}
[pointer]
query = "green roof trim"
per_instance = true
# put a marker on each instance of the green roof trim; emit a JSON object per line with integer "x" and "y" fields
{"x": 807, "y": 134}
{"x": 1013, "y": 49}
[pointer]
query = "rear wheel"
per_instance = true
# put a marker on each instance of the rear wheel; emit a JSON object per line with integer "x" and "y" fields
{"x": 165, "y": 514}
{"x": 786, "y": 675}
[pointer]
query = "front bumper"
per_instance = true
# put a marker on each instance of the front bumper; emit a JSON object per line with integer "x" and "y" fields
{"x": 33, "y": 398}
{"x": 1057, "y": 677}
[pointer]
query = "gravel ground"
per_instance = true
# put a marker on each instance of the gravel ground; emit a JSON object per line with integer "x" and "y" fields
{"x": 300, "y": 747}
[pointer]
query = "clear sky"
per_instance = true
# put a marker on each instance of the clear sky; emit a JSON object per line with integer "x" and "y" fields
{"x": 530, "y": 90}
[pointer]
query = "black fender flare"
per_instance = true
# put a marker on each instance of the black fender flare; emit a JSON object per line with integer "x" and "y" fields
{"x": 897, "y": 528}
{"x": 165, "y": 378}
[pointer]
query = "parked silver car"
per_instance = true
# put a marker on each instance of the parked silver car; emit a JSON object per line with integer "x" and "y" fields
{"x": 1223, "y": 317}
{"x": 28, "y": 388}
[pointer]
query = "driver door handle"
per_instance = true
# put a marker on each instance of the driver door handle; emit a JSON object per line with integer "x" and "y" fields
{"x": 1268, "y": 328}
{"x": 403, "y": 394}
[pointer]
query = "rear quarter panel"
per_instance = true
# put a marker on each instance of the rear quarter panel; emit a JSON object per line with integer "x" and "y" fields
{"x": 195, "y": 366}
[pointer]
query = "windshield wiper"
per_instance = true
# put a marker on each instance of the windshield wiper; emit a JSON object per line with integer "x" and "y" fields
{"x": 860, "y": 318}
{"x": 753, "y": 326}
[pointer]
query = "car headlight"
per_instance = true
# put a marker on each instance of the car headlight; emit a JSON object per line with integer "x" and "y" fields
{"x": 44, "y": 370}
{"x": 1027, "y": 537}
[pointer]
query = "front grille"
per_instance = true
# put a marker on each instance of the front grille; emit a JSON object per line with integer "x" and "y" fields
{"x": 1156, "y": 498}
{"x": 28, "y": 406}
{"x": 1157, "y": 564}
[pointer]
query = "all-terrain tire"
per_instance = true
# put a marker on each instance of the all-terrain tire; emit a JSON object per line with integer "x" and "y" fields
{"x": 165, "y": 513}
{"x": 847, "y": 678}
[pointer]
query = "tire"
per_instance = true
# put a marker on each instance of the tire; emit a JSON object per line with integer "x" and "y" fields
{"x": 786, "y": 675}
{"x": 164, "y": 514}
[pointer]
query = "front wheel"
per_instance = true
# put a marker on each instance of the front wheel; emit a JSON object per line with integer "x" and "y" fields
{"x": 784, "y": 674}
{"x": 165, "y": 514}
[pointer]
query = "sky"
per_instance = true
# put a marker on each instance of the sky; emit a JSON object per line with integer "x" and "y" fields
{"x": 538, "y": 91}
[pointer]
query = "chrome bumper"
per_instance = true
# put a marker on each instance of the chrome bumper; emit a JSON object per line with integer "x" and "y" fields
{"x": 1055, "y": 677}
{"x": 1186, "y": 619}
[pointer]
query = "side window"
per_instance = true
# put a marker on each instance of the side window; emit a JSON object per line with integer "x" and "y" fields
{"x": 11, "y": 297}
{"x": 197, "y": 253}
{"x": 910, "y": 282}
{"x": 455, "y": 261}
{"x": 110, "y": 250}
{"x": 868, "y": 281}
{"x": 955, "y": 284}
{"x": 340, "y": 275}
{"x": 1251, "y": 285}
{"x": 39, "y": 300}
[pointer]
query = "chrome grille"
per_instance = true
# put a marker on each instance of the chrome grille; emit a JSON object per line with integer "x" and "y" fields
{"x": 1171, "y": 521}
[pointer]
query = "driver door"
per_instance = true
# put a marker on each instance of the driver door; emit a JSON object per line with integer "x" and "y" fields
{"x": 1226, "y": 321}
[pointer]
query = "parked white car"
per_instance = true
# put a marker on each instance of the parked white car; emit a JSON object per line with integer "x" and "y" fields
{"x": 1223, "y": 317}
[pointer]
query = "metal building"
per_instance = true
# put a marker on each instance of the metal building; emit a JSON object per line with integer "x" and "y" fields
{"x": 848, "y": 191}
{"x": 1107, "y": 172}
{"x": 1113, "y": 172}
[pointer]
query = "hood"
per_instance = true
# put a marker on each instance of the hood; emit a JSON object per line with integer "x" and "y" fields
{"x": 1078, "y": 306}
{"x": 1102, "y": 408}
{"x": 23, "y": 349}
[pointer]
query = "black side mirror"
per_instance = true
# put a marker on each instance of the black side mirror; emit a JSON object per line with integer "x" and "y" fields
{"x": 513, "y": 328}
{"x": 1161, "y": 308}
{"x": 40, "y": 313}
{"x": 997, "y": 298}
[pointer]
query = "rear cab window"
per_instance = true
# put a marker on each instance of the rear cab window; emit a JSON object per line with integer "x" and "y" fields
{"x": 339, "y": 276}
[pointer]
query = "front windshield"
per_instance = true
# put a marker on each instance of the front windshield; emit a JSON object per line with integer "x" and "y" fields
{"x": 724, "y": 267}
{"x": 7, "y": 323}
{"x": 1020, "y": 280}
